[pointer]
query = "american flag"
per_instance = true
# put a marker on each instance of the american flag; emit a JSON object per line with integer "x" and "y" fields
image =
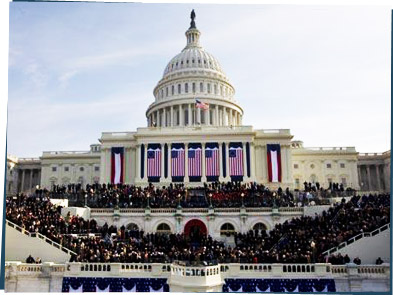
{"x": 194, "y": 162}
{"x": 201, "y": 105}
{"x": 154, "y": 162}
{"x": 212, "y": 162}
{"x": 235, "y": 161}
{"x": 177, "y": 158}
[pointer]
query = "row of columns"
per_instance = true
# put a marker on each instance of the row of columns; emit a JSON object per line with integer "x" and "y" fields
{"x": 203, "y": 164}
{"x": 369, "y": 179}
{"x": 221, "y": 116}
{"x": 30, "y": 183}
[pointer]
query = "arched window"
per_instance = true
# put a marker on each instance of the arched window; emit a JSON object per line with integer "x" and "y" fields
{"x": 193, "y": 87}
{"x": 166, "y": 91}
{"x": 173, "y": 89}
{"x": 215, "y": 88}
{"x": 132, "y": 226}
{"x": 201, "y": 87}
{"x": 208, "y": 88}
{"x": 259, "y": 227}
{"x": 163, "y": 228}
{"x": 186, "y": 87}
{"x": 178, "y": 89}
{"x": 227, "y": 229}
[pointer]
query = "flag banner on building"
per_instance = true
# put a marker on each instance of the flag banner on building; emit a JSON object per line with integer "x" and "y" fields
{"x": 153, "y": 162}
{"x": 177, "y": 162}
{"x": 195, "y": 162}
{"x": 212, "y": 161}
{"x": 236, "y": 161}
{"x": 279, "y": 285}
{"x": 117, "y": 163}
{"x": 201, "y": 105}
{"x": 102, "y": 284}
{"x": 274, "y": 162}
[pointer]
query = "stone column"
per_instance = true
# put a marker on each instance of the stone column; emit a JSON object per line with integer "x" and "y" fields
{"x": 172, "y": 116}
{"x": 181, "y": 116}
{"x": 186, "y": 178}
{"x": 31, "y": 179}
{"x": 164, "y": 117}
{"x": 145, "y": 165}
{"x": 230, "y": 117}
{"x": 368, "y": 177}
{"x": 198, "y": 120}
{"x": 216, "y": 117}
{"x": 203, "y": 163}
{"x": 221, "y": 176}
{"x": 207, "y": 116}
{"x": 157, "y": 118}
{"x": 138, "y": 162}
{"x": 378, "y": 179}
{"x": 360, "y": 177}
{"x": 227, "y": 161}
{"x": 252, "y": 160}
{"x": 23, "y": 181}
{"x": 189, "y": 115}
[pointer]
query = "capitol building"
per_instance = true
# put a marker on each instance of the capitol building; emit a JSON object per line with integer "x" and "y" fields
{"x": 194, "y": 135}
{"x": 175, "y": 122}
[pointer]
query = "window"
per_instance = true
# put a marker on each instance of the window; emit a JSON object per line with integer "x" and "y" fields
{"x": 208, "y": 88}
{"x": 132, "y": 226}
{"x": 215, "y": 89}
{"x": 186, "y": 87}
{"x": 227, "y": 229}
{"x": 330, "y": 180}
{"x": 193, "y": 87}
{"x": 66, "y": 169}
{"x": 312, "y": 166}
{"x": 54, "y": 169}
{"x": 342, "y": 165}
{"x": 344, "y": 181}
{"x": 328, "y": 165}
{"x": 178, "y": 89}
{"x": 201, "y": 87}
{"x": 173, "y": 89}
{"x": 297, "y": 182}
{"x": 166, "y": 91}
{"x": 259, "y": 227}
{"x": 163, "y": 228}
{"x": 295, "y": 166}
{"x": 96, "y": 168}
{"x": 81, "y": 169}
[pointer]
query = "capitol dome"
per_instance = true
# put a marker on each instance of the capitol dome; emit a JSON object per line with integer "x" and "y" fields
{"x": 192, "y": 76}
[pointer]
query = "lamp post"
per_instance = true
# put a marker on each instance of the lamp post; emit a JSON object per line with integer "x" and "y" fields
{"x": 178, "y": 199}
{"x": 148, "y": 201}
{"x": 210, "y": 200}
{"x": 242, "y": 196}
{"x": 85, "y": 200}
{"x": 274, "y": 200}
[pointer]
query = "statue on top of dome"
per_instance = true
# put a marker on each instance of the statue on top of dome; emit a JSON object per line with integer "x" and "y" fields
{"x": 192, "y": 20}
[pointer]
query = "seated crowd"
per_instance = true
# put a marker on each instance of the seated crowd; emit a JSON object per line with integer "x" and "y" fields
{"x": 300, "y": 240}
{"x": 231, "y": 194}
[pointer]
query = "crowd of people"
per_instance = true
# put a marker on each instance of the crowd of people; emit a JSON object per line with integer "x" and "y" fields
{"x": 300, "y": 240}
{"x": 231, "y": 194}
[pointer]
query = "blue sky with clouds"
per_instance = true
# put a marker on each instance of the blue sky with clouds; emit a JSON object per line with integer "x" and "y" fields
{"x": 78, "y": 69}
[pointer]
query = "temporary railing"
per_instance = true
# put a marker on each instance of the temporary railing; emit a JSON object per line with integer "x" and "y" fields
{"x": 40, "y": 236}
{"x": 356, "y": 238}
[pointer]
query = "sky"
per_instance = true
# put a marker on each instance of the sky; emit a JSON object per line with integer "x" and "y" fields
{"x": 79, "y": 69}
